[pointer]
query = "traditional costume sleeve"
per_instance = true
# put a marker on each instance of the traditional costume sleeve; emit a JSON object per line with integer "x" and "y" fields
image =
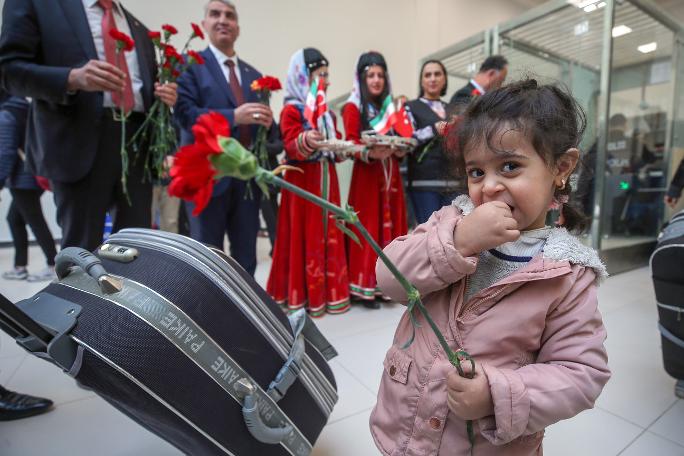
{"x": 351, "y": 118}
{"x": 292, "y": 132}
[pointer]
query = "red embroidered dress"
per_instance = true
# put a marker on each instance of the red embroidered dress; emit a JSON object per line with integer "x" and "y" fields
{"x": 377, "y": 194}
{"x": 309, "y": 266}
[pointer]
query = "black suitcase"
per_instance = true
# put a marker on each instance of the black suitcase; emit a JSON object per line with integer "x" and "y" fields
{"x": 182, "y": 340}
{"x": 667, "y": 270}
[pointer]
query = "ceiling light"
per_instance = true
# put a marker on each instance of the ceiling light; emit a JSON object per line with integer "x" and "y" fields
{"x": 582, "y": 3}
{"x": 621, "y": 30}
{"x": 601, "y": 5}
{"x": 590, "y": 8}
{"x": 649, "y": 47}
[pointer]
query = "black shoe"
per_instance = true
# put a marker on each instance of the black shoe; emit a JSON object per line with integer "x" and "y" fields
{"x": 371, "y": 304}
{"x": 14, "y": 405}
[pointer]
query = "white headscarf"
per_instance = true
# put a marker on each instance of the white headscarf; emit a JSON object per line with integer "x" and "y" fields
{"x": 297, "y": 89}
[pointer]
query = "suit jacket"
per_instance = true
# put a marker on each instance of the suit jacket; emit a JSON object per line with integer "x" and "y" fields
{"x": 203, "y": 88}
{"x": 460, "y": 99}
{"x": 41, "y": 41}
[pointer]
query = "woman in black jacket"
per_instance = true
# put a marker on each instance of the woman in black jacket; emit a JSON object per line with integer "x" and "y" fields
{"x": 25, "y": 207}
{"x": 430, "y": 184}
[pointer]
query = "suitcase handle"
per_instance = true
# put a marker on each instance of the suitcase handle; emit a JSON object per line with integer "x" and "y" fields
{"x": 76, "y": 256}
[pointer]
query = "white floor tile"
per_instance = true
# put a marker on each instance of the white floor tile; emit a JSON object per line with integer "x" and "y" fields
{"x": 9, "y": 366}
{"x": 82, "y": 428}
{"x": 649, "y": 444}
{"x": 9, "y": 348}
{"x": 348, "y": 437}
{"x": 353, "y": 396}
{"x": 671, "y": 424}
{"x": 362, "y": 355}
{"x": 360, "y": 319}
{"x": 591, "y": 433}
{"x": 635, "y": 358}
{"x": 40, "y": 378}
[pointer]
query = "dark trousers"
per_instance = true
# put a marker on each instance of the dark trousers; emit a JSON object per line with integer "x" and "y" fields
{"x": 269, "y": 210}
{"x": 26, "y": 209}
{"x": 235, "y": 213}
{"x": 427, "y": 202}
{"x": 82, "y": 205}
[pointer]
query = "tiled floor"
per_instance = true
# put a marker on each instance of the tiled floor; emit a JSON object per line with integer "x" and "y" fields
{"x": 637, "y": 414}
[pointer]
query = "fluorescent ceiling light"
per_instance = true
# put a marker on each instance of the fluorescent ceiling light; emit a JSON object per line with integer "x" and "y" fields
{"x": 590, "y": 8}
{"x": 649, "y": 47}
{"x": 601, "y": 5}
{"x": 582, "y": 3}
{"x": 621, "y": 30}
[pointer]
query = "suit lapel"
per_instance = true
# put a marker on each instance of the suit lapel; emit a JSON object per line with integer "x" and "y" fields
{"x": 76, "y": 15}
{"x": 246, "y": 78}
{"x": 217, "y": 73}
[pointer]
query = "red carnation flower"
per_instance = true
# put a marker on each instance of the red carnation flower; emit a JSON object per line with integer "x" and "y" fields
{"x": 269, "y": 83}
{"x": 192, "y": 176}
{"x": 170, "y": 29}
{"x": 192, "y": 173}
{"x": 195, "y": 57}
{"x": 171, "y": 53}
{"x": 154, "y": 36}
{"x": 208, "y": 128}
{"x": 175, "y": 74}
{"x": 124, "y": 41}
{"x": 197, "y": 31}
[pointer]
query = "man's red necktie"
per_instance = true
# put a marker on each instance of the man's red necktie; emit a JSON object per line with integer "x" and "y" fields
{"x": 123, "y": 99}
{"x": 244, "y": 135}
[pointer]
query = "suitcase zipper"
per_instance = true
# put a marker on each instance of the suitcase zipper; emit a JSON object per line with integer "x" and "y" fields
{"x": 316, "y": 383}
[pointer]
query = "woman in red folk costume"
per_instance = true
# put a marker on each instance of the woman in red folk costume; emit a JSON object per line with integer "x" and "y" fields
{"x": 376, "y": 191}
{"x": 309, "y": 262}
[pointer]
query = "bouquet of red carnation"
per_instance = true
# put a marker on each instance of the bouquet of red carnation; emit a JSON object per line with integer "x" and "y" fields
{"x": 157, "y": 130}
{"x": 264, "y": 86}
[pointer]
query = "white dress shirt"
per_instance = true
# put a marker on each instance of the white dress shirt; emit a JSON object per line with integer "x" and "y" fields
{"x": 94, "y": 13}
{"x": 221, "y": 59}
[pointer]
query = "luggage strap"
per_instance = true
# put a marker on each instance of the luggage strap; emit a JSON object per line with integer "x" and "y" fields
{"x": 303, "y": 330}
{"x": 671, "y": 337}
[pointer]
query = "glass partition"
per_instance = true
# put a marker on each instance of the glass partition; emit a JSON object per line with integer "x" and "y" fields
{"x": 631, "y": 53}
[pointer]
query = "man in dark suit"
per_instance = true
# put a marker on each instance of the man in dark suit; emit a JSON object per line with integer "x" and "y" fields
{"x": 60, "y": 54}
{"x": 491, "y": 76}
{"x": 222, "y": 84}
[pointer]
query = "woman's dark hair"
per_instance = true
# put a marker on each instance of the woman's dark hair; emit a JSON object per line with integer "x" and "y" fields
{"x": 547, "y": 115}
{"x": 366, "y": 61}
{"x": 443, "y": 92}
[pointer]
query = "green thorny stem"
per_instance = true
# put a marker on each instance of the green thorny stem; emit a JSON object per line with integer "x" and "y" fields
{"x": 349, "y": 216}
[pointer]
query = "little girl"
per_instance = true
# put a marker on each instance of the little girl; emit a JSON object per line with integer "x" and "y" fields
{"x": 517, "y": 295}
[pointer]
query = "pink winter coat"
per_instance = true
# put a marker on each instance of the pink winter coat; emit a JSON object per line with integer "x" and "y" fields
{"x": 537, "y": 334}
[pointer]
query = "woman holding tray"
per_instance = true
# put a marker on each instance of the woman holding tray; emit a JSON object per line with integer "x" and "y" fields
{"x": 376, "y": 190}
{"x": 309, "y": 262}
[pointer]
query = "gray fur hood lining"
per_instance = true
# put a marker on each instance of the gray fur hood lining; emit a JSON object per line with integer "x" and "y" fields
{"x": 560, "y": 245}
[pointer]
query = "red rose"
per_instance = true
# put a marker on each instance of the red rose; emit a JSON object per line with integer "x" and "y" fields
{"x": 192, "y": 176}
{"x": 154, "y": 36}
{"x": 124, "y": 41}
{"x": 197, "y": 31}
{"x": 170, "y": 29}
{"x": 195, "y": 57}
{"x": 207, "y": 129}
